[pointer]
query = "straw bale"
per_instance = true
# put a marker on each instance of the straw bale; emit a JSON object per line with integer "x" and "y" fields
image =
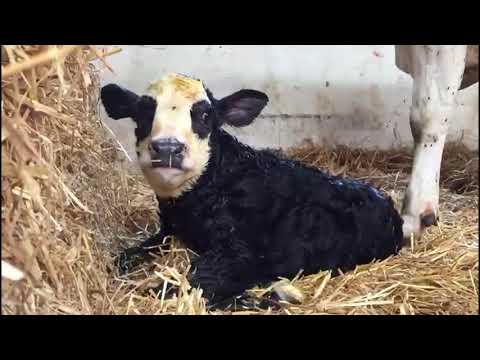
{"x": 56, "y": 199}
{"x": 69, "y": 204}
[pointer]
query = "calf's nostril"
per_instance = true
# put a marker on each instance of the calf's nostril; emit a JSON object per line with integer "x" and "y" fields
{"x": 156, "y": 147}
{"x": 178, "y": 149}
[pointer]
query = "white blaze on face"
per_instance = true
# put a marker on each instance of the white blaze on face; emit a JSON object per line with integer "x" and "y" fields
{"x": 175, "y": 94}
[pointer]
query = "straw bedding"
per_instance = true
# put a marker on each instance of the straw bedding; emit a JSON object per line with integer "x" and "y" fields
{"x": 69, "y": 204}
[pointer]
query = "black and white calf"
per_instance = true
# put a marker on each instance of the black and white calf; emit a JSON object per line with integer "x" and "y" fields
{"x": 252, "y": 216}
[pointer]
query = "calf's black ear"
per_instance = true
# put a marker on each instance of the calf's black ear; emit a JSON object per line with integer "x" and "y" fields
{"x": 241, "y": 108}
{"x": 119, "y": 103}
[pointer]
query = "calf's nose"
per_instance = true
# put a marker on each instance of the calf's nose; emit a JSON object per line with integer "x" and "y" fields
{"x": 168, "y": 145}
{"x": 167, "y": 152}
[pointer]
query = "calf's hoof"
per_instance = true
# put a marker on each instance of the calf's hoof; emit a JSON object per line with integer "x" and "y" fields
{"x": 246, "y": 302}
{"x": 130, "y": 259}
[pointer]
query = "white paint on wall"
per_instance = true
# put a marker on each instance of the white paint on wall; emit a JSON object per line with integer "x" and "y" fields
{"x": 345, "y": 94}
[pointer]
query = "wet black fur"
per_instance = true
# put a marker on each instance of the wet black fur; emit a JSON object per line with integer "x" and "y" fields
{"x": 253, "y": 217}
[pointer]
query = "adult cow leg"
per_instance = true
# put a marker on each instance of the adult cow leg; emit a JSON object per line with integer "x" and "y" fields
{"x": 437, "y": 72}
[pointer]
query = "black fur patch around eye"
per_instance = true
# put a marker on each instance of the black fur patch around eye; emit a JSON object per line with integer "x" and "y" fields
{"x": 202, "y": 118}
{"x": 144, "y": 115}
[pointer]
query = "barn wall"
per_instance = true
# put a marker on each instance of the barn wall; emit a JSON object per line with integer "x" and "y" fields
{"x": 351, "y": 95}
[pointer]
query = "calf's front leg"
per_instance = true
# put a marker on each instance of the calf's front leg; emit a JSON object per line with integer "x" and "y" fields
{"x": 224, "y": 272}
{"x": 134, "y": 256}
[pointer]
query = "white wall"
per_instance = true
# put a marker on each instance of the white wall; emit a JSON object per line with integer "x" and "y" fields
{"x": 351, "y": 95}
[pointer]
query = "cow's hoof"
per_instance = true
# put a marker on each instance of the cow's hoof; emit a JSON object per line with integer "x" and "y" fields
{"x": 428, "y": 219}
{"x": 416, "y": 225}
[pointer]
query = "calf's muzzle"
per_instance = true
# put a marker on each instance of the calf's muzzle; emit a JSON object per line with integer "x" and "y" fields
{"x": 167, "y": 153}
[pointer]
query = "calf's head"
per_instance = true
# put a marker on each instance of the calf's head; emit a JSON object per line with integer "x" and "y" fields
{"x": 174, "y": 122}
